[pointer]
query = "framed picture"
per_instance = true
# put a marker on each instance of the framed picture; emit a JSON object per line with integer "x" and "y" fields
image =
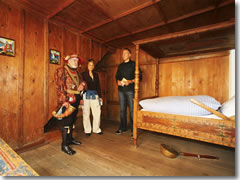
{"x": 54, "y": 56}
{"x": 7, "y": 46}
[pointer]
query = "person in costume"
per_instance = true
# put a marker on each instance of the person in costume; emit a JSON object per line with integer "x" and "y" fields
{"x": 70, "y": 87}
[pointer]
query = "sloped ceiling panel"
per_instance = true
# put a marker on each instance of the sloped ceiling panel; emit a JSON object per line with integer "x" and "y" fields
{"x": 82, "y": 14}
{"x": 116, "y": 7}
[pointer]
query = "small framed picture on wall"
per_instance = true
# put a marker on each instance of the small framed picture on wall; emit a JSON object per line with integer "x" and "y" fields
{"x": 55, "y": 56}
{"x": 7, "y": 46}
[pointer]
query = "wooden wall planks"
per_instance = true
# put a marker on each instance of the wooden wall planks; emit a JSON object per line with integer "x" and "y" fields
{"x": 206, "y": 75}
{"x": 33, "y": 103}
{"x": 55, "y": 41}
{"x": 10, "y": 68}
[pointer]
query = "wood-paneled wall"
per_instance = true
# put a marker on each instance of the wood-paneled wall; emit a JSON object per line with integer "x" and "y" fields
{"x": 206, "y": 74}
{"x": 22, "y": 78}
{"x": 33, "y": 104}
{"x": 28, "y": 93}
{"x": 10, "y": 78}
{"x": 203, "y": 74}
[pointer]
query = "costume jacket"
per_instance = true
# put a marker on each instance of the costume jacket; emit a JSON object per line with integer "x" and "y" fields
{"x": 67, "y": 81}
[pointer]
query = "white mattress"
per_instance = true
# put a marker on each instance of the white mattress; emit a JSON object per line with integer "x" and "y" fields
{"x": 180, "y": 105}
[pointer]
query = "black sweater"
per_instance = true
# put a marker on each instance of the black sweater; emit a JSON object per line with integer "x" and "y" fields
{"x": 92, "y": 84}
{"x": 127, "y": 71}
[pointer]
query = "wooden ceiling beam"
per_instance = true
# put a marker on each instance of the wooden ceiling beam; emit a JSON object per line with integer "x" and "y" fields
{"x": 131, "y": 11}
{"x": 197, "y": 51}
{"x": 66, "y": 4}
{"x": 188, "y": 32}
{"x": 163, "y": 23}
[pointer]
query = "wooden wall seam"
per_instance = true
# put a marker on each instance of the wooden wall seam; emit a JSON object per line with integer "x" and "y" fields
{"x": 157, "y": 78}
{"x": 62, "y": 45}
{"x": 46, "y": 69}
{"x": 20, "y": 141}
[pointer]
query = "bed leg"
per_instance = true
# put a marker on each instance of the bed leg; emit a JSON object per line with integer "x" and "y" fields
{"x": 135, "y": 137}
{"x": 135, "y": 142}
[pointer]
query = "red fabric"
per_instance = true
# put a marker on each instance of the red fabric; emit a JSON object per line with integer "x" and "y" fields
{"x": 64, "y": 82}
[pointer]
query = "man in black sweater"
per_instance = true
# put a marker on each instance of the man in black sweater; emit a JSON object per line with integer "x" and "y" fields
{"x": 125, "y": 78}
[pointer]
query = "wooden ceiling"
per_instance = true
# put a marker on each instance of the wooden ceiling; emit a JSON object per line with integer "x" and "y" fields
{"x": 118, "y": 23}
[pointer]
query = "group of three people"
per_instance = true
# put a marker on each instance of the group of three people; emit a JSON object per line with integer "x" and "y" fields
{"x": 73, "y": 88}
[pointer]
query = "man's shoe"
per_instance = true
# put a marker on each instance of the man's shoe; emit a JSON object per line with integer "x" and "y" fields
{"x": 74, "y": 142}
{"x": 120, "y": 131}
{"x": 100, "y": 133}
{"x": 68, "y": 150}
{"x": 73, "y": 152}
{"x": 88, "y": 134}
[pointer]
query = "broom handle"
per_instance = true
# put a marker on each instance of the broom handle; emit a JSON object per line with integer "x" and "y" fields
{"x": 222, "y": 116}
{"x": 197, "y": 155}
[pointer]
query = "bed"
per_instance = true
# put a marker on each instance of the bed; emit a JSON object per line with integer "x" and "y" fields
{"x": 208, "y": 128}
{"x": 218, "y": 129}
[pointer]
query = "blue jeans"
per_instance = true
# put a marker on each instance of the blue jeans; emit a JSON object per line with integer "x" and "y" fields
{"x": 126, "y": 98}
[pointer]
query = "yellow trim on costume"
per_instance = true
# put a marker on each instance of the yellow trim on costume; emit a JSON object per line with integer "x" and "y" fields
{"x": 70, "y": 91}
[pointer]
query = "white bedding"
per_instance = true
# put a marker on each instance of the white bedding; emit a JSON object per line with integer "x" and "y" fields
{"x": 180, "y": 105}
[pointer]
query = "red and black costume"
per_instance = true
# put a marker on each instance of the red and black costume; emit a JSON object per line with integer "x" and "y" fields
{"x": 68, "y": 81}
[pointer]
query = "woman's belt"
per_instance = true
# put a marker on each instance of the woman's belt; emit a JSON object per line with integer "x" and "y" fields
{"x": 91, "y": 94}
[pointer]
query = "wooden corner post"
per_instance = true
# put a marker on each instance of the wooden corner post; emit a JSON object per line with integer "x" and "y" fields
{"x": 136, "y": 90}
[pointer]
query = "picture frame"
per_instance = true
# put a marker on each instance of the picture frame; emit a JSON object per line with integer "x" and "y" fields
{"x": 7, "y": 46}
{"x": 55, "y": 56}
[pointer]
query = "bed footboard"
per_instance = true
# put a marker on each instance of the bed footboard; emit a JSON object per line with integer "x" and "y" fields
{"x": 210, "y": 130}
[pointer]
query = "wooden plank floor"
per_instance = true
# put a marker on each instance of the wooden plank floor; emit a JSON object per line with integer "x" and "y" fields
{"x": 114, "y": 155}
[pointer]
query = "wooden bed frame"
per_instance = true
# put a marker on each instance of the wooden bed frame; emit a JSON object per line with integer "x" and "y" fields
{"x": 217, "y": 131}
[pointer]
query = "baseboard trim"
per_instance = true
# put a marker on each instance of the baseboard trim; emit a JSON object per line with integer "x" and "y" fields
{"x": 31, "y": 146}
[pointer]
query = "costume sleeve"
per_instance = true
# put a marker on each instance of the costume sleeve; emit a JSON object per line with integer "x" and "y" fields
{"x": 61, "y": 86}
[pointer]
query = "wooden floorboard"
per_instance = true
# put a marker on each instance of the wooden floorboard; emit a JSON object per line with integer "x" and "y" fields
{"x": 115, "y": 155}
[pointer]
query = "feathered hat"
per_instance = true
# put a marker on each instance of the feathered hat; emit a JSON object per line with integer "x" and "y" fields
{"x": 80, "y": 59}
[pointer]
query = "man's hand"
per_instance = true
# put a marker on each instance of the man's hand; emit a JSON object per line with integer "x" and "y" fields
{"x": 81, "y": 102}
{"x": 128, "y": 82}
{"x": 120, "y": 83}
{"x": 66, "y": 104}
{"x": 81, "y": 86}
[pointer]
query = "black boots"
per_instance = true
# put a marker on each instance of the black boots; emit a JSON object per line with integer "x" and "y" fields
{"x": 71, "y": 140}
{"x": 68, "y": 150}
{"x": 65, "y": 147}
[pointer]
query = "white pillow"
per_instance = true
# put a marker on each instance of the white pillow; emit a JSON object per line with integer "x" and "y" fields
{"x": 228, "y": 108}
{"x": 180, "y": 105}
